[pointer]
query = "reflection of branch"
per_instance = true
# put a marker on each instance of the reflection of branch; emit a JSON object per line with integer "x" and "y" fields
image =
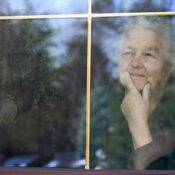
{"x": 4, "y": 71}
{"x": 5, "y": 57}
{"x": 8, "y": 109}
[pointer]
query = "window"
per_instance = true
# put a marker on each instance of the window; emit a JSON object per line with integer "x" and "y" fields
{"x": 45, "y": 79}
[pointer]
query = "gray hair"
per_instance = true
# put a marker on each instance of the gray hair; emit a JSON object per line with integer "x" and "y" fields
{"x": 161, "y": 25}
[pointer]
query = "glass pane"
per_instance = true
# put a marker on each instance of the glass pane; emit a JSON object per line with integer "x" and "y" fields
{"x": 39, "y": 7}
{"x": 132, "y": 113}
{"x": 43, "y": 81}
{"x": 116, "y": 6}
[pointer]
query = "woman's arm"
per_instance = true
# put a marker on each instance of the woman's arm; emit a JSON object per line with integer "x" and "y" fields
{"x": 135, "y": 107}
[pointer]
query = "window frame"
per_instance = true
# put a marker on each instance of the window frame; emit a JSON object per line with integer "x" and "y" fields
{"x": 55, "y": 171}
{"x": 89, "y": 16}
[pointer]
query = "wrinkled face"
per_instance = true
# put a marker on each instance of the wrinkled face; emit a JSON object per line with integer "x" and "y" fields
{"x": 142, "y": 56}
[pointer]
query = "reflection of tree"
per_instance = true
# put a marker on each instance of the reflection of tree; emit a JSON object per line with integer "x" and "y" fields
{"x": 26, "y": 88}
{"x": 150, "y": 5}
{"x": 44, "y": 103}
{"x": 72, "y": 76}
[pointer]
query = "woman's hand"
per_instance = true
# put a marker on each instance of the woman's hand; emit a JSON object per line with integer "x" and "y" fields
{"x": 135, "y": 107}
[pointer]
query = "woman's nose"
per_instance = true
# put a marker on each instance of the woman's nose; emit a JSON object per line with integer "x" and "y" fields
{"x": 137, "y": 61}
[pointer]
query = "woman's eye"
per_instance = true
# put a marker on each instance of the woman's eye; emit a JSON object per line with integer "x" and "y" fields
{"x": 127, "y": 53}
{"x": 149, "y": 54}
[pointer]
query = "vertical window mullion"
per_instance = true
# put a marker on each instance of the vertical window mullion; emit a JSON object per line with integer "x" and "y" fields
{"x": 88, "y": 91}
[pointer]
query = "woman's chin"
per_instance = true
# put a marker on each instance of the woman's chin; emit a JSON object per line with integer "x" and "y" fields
{"x": 139, "y": 85}
{"x": 139, "y": 82}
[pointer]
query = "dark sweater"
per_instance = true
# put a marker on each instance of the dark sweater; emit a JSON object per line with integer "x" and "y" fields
{"x": 110, "y": 134}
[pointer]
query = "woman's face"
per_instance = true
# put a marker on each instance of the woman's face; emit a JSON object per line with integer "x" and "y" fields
{"x": 142, "y": 56}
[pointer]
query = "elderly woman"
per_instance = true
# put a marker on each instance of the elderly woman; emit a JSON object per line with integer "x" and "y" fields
{"x": 132, "y": 125}
{"x": 146, "y": 54}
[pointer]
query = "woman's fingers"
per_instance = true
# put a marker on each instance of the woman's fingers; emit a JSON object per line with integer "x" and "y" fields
{"x": 127, "y": 82}
{"x": 146, "y": 93}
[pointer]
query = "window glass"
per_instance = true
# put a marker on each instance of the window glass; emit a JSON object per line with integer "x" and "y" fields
{"x": 43, "y": 79}
{"x": 116, "y": 6}
{"x": 37, "y": 7}
{"x": 132, "y": 96}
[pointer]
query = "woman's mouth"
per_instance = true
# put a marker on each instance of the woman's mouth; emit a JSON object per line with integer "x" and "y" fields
{"x": 137, "y": 75}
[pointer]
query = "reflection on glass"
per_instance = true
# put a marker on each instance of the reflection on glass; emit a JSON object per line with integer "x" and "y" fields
{"x": 132, "y": 112}
{"x": 43, "y": 78}
{"x": 111, "y": 6}
{"x": 39, "y": 7}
